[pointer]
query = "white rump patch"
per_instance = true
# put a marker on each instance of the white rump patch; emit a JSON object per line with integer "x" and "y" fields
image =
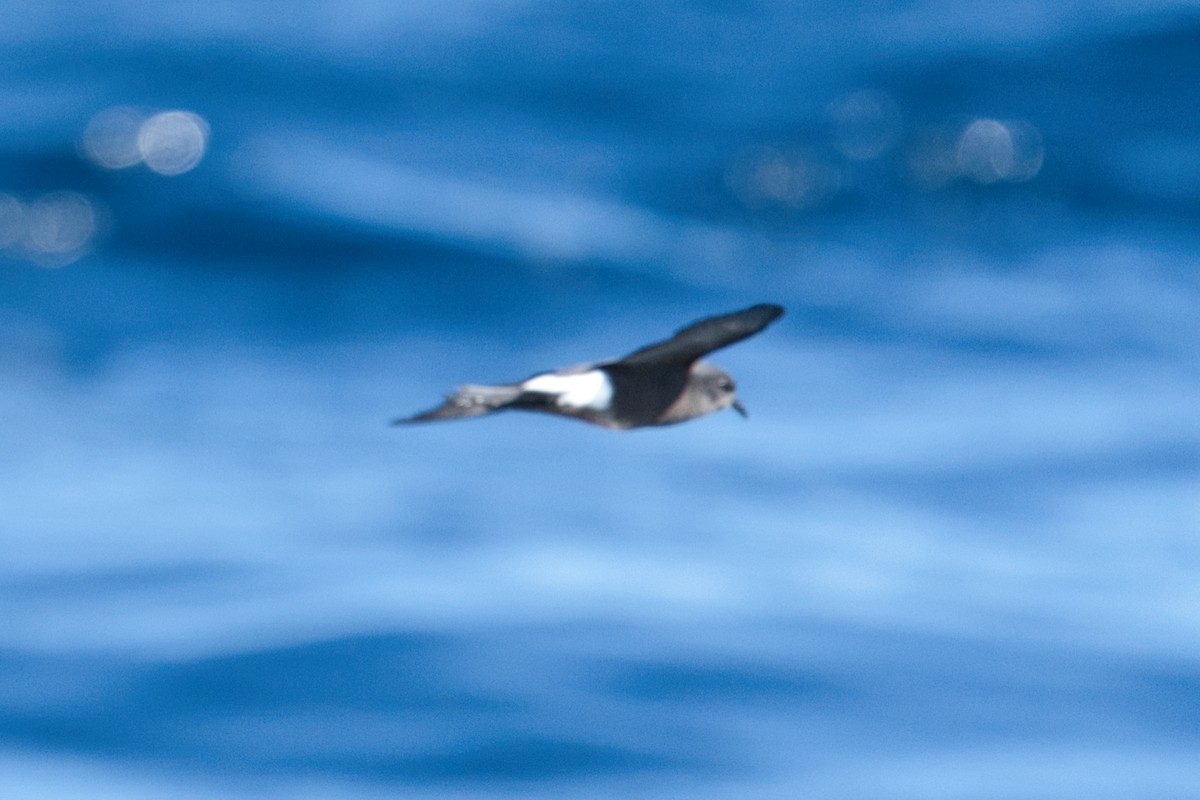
{"x": 591, "y": 389}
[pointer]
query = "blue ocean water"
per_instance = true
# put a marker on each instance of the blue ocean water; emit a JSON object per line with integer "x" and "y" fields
{"x": 954, "y": 552}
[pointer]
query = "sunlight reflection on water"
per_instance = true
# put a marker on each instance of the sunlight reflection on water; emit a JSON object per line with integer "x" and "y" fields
{"x": 168, "y": 142}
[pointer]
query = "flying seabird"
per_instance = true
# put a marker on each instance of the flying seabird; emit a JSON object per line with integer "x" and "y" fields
{"x": 660, "y": 384}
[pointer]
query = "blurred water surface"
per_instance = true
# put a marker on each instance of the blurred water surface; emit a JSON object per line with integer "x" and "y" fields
{"x": 953, "y": 554}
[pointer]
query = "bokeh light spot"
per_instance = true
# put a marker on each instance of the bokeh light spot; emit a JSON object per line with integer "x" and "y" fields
{"x": 764, "y": 177}
{"x": 60, "y": 225}
{"x": 985, "y": 151}
{"x": 866, "y": 124}
{"x": 12, "y": 221}
{"x": 991, "y": 150}
{"x": 173, "y": 142}
{"x": 1028, "y": 149}
{"x": 111, "y": 137}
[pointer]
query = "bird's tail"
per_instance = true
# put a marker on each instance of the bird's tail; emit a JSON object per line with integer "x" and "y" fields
{"x": 469, "y": 401}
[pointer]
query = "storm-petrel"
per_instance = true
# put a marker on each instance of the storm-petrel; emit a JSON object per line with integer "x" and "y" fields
{"x": 660, "y": 384}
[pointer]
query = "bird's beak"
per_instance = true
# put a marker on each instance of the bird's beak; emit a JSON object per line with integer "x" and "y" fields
{"x": 738, "y": 407}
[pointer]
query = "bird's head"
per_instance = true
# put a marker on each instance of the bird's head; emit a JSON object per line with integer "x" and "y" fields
{"x": 716, "y": 387}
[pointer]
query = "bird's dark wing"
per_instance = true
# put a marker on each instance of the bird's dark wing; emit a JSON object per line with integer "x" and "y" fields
{"x": 649, "y": 380}
{"x": 702, "y": 337}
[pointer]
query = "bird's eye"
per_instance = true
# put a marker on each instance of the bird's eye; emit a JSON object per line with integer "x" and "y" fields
{"x": 725, "y": 385}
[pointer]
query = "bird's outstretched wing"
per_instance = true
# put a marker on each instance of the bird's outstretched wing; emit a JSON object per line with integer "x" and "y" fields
{"x": 649, "y": 380}
{"x": 699, "y": 338}
{"x": 468, "y": 401}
